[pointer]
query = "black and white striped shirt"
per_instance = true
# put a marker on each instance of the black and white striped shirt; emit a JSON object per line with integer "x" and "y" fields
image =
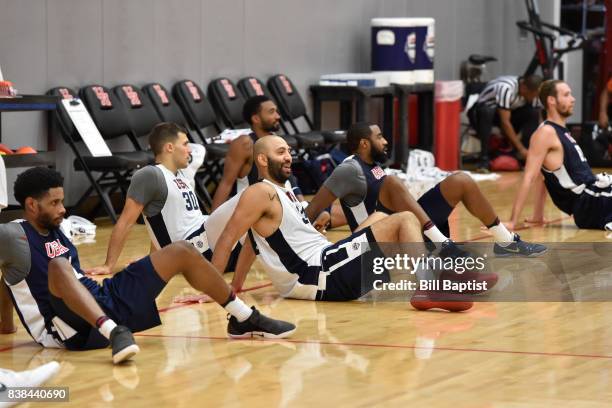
{"x": 503, "y": 93}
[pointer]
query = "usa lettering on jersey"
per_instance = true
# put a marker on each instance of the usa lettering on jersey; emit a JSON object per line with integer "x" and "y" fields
{"x": 55, "y": 248}
{"x": 571, "y": 139}
{"x": 378, "y": 172}
{"x": 180, "y": 184}
{"x": 298, "y": 207}
{"x": 576, "y": 146}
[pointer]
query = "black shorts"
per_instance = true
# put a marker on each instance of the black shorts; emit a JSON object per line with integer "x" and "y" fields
{"x": 437, "y": 208}
{"x": 593, "y": 208}
{"x": 231, "y": 262}
{"x": 128, "y": 298}
{"x": 349, "y": 267}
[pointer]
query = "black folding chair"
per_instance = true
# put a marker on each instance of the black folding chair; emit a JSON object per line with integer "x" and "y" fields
{"x": 140, "y": 111}
{"x": 228, "y": 102}
{"x": 251, "y": 86}
{"x": 111, "y": 119}
{"x": 169, "y": 111}
{"x": 292, "y": 108}
{"x": 114, "y": 170}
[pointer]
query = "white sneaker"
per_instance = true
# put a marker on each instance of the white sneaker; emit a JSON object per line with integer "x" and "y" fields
{"x": 608, "y": 226}
{"x": 29, "y": 378}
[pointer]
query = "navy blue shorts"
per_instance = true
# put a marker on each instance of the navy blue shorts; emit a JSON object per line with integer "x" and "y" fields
{"x": 437, "y": 208}
{"x": 128, "y": 298}
{"x": 349, "y": 265}
{"x": 593, "y": 208}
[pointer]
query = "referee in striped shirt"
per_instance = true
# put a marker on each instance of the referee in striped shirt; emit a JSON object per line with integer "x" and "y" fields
{"x": 511, "y": 103}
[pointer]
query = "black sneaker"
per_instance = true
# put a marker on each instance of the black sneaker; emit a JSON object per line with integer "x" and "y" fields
{"x": 519, "y": 248}
{"x": 483, "y": 167}
{"x": 123, "y": 344}
{"x": 259, "y": 325}
{"x": 450, "y": 249}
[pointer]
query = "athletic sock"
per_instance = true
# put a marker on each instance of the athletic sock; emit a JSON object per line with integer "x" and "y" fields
{"x": 500, "y": 232}
{"x": 433, "y": 233}
{"x": 237, "y": 308}
{"x": 105, "y": 325}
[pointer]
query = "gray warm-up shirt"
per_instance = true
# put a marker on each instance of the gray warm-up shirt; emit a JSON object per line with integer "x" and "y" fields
{"x": 148, "y": 187}
{"x": 15, "y": 259}
{"x": 348, "y": 183}
{"x": 24, "y": 258}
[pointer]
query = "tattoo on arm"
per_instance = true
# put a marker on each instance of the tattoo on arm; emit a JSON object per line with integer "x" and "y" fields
{"x": 272, "y": 196}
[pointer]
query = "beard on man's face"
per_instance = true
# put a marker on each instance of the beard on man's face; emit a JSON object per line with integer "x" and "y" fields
{"x": 271, "y": 127}
{"x": 275, "y": 168}
{"x": 46, "y": 221}
{"x": 566, "y": 113}
{"x": 379, "y": 155}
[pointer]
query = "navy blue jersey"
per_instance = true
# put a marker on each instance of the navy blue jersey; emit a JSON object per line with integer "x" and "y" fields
{"x": 29, "y": 287}
{"x": 569, "y": 181}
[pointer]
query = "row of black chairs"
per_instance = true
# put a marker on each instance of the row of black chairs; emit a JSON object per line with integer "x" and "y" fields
{"x": 131, "y": 112}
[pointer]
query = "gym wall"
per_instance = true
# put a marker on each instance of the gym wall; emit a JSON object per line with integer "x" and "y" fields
{"x": 77, "y": 42}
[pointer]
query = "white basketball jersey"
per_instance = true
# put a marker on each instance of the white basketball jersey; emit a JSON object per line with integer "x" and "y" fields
{"x": 216, "y": 222}
{"x": 292, "y": 254}
{"x": 181, "y": 217}
{"x": 242, "y": 183}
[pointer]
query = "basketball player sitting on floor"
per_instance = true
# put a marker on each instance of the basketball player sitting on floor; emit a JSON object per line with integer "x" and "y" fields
{"x": 164, "y": 196}
{"x": 239, "y": 172}
{"x": 363, "y": 189}
{"x": 170, "y": 207}
{"x": 59, "y": 307}
{"x": 573, "y": 187}
{"x": 300, "y": 261}
{"x": 261, "y": 113}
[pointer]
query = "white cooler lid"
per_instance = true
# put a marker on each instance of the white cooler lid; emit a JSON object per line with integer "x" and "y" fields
{"x": 402, "y": 21}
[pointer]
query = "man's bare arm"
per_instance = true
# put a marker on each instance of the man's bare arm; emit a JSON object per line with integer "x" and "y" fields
{"x": 541, "y": 143}
{"x": 323, "y": 199}
{"x": 238, "y": 154}
{"x": 252, "y": 206}
{"x": 539, "y": 201}
{"x": 127, "y": 219}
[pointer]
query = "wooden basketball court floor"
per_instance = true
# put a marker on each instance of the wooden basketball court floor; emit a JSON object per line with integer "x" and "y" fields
{"x": 355, "y": 353}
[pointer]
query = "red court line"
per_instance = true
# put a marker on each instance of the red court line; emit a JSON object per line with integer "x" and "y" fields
{"x": 394, "y": 346}
{"x": 485, "y": 236}
{"x": 178, "y": 306}
{"x": 165, "y": 309}
{"x": 14, "y": 346}
{"x": 263, "y": 285}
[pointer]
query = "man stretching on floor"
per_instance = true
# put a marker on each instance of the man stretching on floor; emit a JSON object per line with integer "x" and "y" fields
{"x": 239, "y": 171}
{"x": 59, "y": 307}
{"x": 568, "y": 178}
{"x": 301, "y": 262}
{"x": 363, "y": 189}
{"x": 164, "y": 196}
